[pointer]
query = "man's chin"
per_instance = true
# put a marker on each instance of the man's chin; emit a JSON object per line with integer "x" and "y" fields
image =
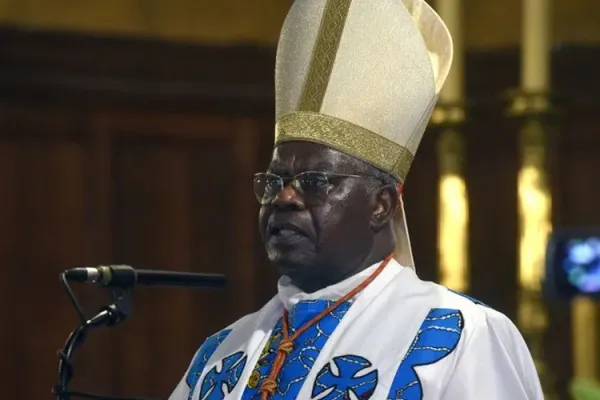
{"x": 302, "y": 276}
{"x": 293, "y": 264}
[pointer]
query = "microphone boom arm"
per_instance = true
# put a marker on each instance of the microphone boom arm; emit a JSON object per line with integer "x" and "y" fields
{"x": 125, "y": 277}
{"x": 119, "y": 280}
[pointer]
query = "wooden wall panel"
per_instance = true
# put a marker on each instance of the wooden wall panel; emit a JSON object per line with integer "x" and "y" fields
{"x": 11, "y": 337}
{"x": 54, "y": 238}
{"x": 168, "y": 192}
{"x": 153, "y": 231}
{"x": 491, "y": 172}
{"x": 96, "y": 366}
{"x": 421, "y": 200}
{"x": 214, "y": 233}
{"x": 182, "y": 205}
{"x": 43, "y": 223}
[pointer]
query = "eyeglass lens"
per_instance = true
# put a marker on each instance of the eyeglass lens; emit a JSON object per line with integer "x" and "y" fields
{"x": 312, "y": 185}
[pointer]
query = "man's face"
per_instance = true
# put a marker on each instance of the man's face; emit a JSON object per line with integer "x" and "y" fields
{"x": 312, "y": 239}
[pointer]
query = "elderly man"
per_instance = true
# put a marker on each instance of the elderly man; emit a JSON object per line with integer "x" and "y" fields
{"x": 356, "y": 82}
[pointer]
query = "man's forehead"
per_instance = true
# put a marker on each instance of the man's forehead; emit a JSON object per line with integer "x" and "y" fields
{"x": 298, "y": 156}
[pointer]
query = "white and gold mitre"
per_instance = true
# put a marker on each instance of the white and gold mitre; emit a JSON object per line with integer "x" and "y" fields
{"x": 361, "y": 76}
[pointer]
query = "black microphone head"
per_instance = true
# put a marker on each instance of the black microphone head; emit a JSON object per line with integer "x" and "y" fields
{"x": 84, "y": 274}
{"x": 77, "y": 274}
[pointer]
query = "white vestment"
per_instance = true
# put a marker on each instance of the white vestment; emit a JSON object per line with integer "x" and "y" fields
{"x": 400, "y": 338}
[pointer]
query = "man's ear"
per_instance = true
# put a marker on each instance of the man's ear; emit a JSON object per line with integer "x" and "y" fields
{"x": 385, "y": 203}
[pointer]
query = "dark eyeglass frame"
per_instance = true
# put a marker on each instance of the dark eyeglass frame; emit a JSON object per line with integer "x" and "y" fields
{"x": 312, "y": 193}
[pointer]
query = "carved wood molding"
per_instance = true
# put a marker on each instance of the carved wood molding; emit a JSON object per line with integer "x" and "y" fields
{"x": 37, "y": 66}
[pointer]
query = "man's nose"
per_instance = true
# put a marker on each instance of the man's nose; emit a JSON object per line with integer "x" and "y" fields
{"x": 288, "y": 198}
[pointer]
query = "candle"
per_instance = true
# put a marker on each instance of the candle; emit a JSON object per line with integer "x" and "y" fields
{"x": 535, "y": 49}
{"x": 453, "y": 252}
{"x": 451, "y": 11}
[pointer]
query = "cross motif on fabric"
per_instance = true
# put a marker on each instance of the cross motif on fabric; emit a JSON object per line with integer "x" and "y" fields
{"x": 228, "y": 375}
{"x": 349, "y": 378}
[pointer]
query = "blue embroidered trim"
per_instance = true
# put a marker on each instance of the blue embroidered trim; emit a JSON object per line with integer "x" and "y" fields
{"x": 437, "y": 337}
{"x": 202, "y": 356}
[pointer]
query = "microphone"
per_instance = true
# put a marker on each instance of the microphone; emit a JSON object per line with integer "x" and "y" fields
{"x": 124, "y": 276}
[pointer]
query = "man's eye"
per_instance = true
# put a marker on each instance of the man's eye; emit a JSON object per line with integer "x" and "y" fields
{"x": 316, "y": 180}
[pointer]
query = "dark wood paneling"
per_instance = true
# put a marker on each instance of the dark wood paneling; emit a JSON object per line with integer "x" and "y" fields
{"x": 180, "y": 206}
{"x": 51, "y": 67}
{"x": 491, "y": 174}
{"x": 13, "y": 288}
{"x": 42, "y": 231}
{"x": 99, "y": 201}
{"x": 421, "y": 198}
{"x": 162, "y": 191}
{"x": 152, "y": 229}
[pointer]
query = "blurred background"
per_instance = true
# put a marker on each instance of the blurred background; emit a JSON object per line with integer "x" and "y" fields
{"x": 130, "y": 131}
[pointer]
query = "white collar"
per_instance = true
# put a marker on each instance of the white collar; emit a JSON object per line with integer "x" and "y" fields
{"x": 290, "y": 295}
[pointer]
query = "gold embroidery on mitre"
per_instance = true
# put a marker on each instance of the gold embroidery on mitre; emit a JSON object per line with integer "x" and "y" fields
{"x": 345, "y": 137}
{"x": 324, "y": 54}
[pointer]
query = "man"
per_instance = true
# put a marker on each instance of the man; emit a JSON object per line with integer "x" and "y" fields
{"x": 356, "y": 82}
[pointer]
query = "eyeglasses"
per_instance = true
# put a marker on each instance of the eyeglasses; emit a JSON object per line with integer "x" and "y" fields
{"x": 314, "y": 186}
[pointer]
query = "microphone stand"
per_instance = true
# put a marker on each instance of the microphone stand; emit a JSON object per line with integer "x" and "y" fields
{"x": 110, "y": 315}
{"x": 113, "y": 314}
{"x": 118, "y": 311}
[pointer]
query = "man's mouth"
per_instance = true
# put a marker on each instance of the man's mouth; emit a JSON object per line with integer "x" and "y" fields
{"x": 285, "y": 233}
{"x": 284, "y": 229}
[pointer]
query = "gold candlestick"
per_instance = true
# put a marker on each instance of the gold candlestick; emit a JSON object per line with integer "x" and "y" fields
{"x": 535, "y": 204}
{"x": 534, "y": 193}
